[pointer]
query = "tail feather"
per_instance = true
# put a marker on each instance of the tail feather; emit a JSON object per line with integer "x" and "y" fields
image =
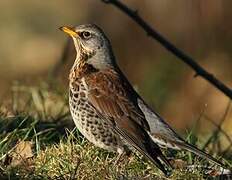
{"x": 181, "y": 144}
{"x": 195, "y": 150}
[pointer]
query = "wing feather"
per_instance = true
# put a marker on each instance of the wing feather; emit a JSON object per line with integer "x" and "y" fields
{"x": 117, "y": 104}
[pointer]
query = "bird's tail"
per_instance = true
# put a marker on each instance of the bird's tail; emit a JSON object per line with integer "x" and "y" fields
{"x": 188, "y": 147}
{"x": 181, "y": 144}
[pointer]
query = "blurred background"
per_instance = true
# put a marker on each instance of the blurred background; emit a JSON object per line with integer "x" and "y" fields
{"x": 31, "y": 45}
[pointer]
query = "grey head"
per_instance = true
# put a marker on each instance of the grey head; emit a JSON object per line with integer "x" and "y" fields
{"x": 91, "y": 45}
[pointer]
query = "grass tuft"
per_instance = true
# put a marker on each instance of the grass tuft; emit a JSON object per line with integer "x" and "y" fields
{"x": 37, "y": 120}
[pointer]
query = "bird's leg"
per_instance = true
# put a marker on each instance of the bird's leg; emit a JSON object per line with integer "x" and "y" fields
{"x": 119, "y": 156}
{"x": 122, "y": 152}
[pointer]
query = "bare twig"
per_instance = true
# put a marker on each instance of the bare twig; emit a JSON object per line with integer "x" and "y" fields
{"x": 170, "y": 47}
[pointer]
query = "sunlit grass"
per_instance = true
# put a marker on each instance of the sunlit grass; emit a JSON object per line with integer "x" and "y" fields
{"x": 40, "y": 115}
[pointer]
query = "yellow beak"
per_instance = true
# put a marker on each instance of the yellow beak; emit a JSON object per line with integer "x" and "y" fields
{"x": 70, "y": 31}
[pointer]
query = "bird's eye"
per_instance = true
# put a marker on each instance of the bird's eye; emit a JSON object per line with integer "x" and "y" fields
{"x": 86, "y": 34}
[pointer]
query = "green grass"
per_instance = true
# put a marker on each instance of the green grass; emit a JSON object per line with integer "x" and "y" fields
{"x": 40, "y": 115}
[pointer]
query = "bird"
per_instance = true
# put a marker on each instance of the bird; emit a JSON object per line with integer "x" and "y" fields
{"x": 108, "y": 111}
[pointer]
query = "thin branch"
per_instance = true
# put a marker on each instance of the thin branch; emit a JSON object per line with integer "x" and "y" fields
{"x": 170, "y": 47}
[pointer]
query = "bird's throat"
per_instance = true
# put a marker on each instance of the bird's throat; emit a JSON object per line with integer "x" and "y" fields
{"x": 81, "y": 69}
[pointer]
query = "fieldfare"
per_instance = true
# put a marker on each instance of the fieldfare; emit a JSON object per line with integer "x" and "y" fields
{"x": 108, "y": 111}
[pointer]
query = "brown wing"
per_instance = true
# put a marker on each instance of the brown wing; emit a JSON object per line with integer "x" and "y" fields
{"x": 114, "y": 101}
{"x": 114, "y": 98}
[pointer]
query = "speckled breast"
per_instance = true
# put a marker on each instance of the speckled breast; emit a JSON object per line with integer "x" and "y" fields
{"x": 88, "y": 122}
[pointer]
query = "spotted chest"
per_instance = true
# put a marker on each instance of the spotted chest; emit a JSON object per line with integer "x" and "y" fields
{"x": 87, "y": 121}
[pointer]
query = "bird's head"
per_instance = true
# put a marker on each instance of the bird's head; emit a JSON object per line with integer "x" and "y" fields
{"x": 91, "y": 45}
